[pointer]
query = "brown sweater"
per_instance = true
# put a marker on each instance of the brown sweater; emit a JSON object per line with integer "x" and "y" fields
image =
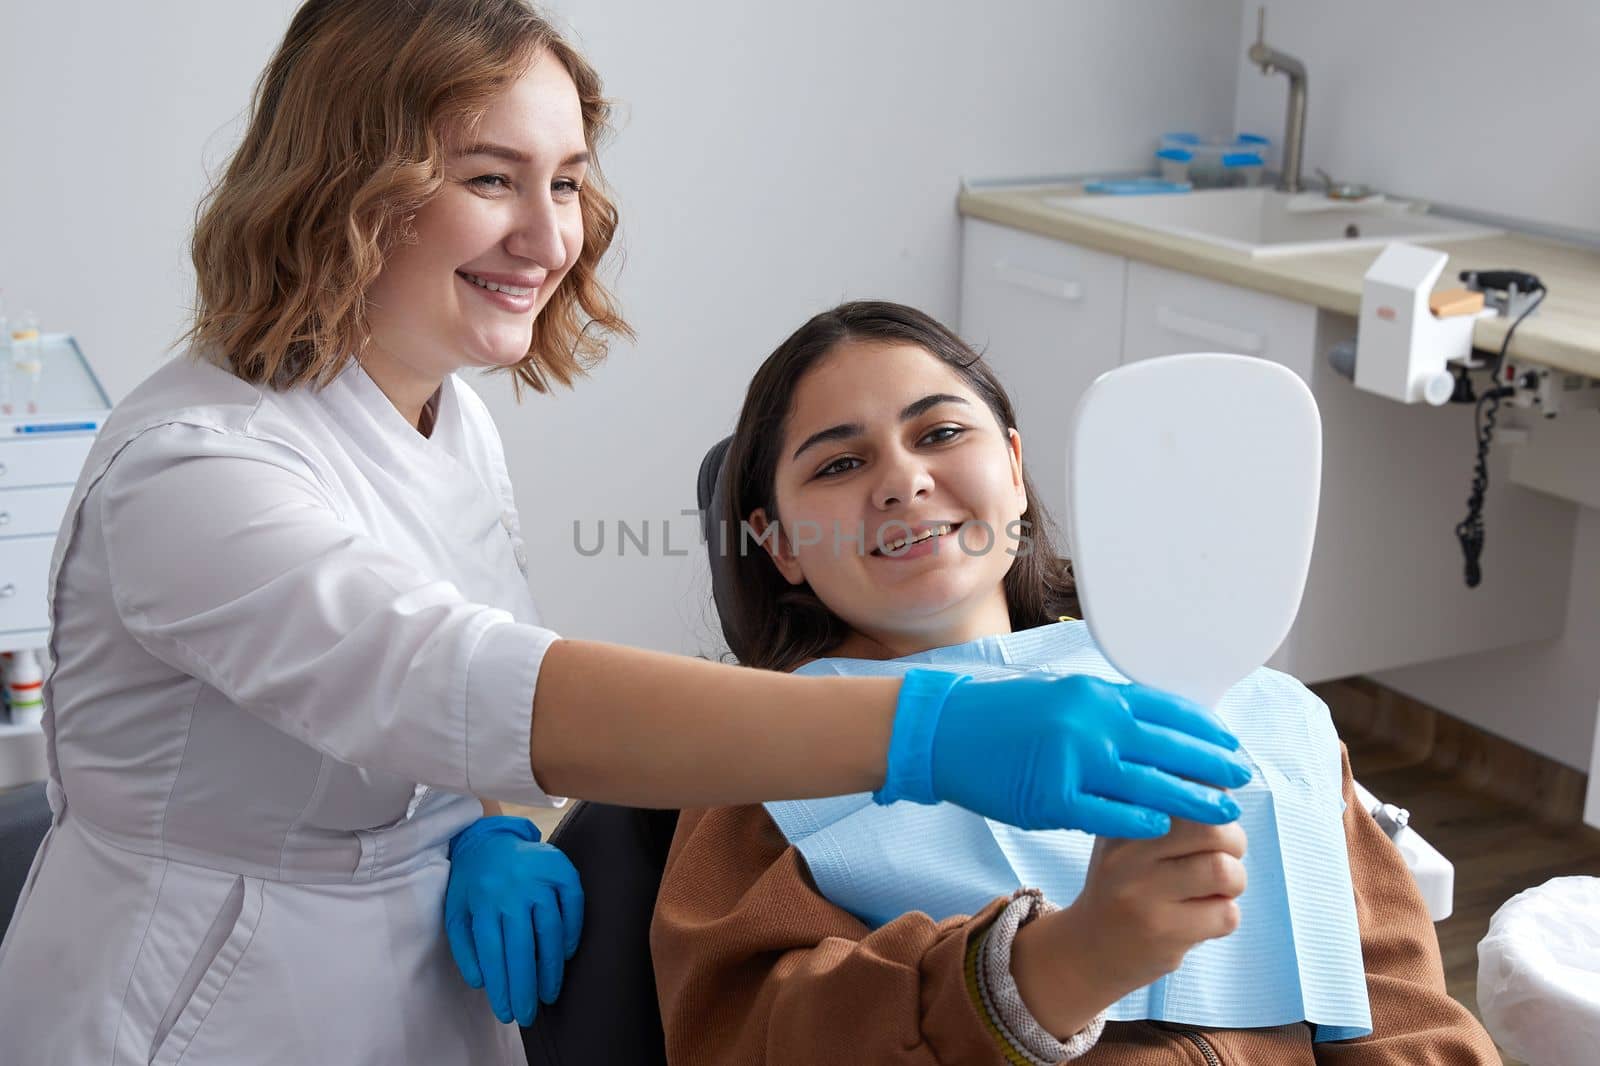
{"x": 755, "y": 966}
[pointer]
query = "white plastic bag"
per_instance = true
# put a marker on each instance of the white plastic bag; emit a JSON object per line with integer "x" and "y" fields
{"x": 1539, "y": 974}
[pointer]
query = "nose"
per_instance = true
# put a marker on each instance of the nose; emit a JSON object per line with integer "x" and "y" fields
{"x": 537, "y": 234}
{"x": 902, "y": 478}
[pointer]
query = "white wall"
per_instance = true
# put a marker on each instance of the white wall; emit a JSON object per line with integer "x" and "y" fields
{"x": 110, "y": 115}
{"x": 1475, "y": 103}
{"x": 773, "y": 160}
{"x": 1485, "y": 106}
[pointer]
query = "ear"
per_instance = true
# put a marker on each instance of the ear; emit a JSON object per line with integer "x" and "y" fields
{"x": 777, "y": 546}
{"x": 1014, "y": 442}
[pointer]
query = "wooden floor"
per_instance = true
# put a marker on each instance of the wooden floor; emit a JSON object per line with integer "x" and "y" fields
{"x": 1499, "y": 845}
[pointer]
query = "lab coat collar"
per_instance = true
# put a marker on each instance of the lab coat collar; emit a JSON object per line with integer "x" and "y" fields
{"x": 369, "y": 415}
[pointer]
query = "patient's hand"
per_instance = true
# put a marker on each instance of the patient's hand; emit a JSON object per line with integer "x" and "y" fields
{"x": 1144, "y": 905}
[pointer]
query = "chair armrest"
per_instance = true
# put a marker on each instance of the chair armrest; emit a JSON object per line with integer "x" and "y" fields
{"x": 1435, "y": 875}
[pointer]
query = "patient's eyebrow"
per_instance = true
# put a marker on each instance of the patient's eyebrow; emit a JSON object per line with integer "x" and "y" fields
{"x": 927, "y": 403}
{"x": 846, "y": 430}
{"x": 843, "y": 431}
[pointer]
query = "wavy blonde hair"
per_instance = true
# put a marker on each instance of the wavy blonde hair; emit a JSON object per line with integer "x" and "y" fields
{"x": 345, "y": 143}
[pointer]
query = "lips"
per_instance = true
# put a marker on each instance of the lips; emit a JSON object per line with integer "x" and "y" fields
{"x": 519, "y": 300}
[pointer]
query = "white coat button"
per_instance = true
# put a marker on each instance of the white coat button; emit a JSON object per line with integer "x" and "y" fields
{"x": 522, "y": 558}
{"x": 508, "y": 521}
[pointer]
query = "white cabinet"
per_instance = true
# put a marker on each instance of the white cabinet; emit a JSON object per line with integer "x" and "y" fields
{"x": 1169, "y": 312}
{"x": 46, "y": 431}
{"x": 1047, "y": 316}
{"x": 24, "y": 570}
{"x": 30, "y": 511}
{"x": 44, "y": 472}
{"x": 37, "y": 459}
{"x": 1385, "y": 587}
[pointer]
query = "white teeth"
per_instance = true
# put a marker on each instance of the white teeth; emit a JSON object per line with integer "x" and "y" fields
{"x": 936, "y": 531}
{"x": 509, "y": 290}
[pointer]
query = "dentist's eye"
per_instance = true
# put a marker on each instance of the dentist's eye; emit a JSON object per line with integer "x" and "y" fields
{"x": 943, "y": 434}
{"x": 567, "y": 188}
{"x": 490, "y": 181}
{"x": 836, "y": 468}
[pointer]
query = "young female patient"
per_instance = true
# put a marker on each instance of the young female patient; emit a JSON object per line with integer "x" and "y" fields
{"x": 878, "y": 464}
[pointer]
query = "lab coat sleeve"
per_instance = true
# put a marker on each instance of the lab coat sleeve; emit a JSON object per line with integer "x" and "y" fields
{"x": 229, "y": 560}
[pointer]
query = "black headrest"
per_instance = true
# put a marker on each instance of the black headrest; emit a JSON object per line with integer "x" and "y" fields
{"x": 711, "y": 496}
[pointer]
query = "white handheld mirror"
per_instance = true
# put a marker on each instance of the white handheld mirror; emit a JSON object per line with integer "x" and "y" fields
{"x": 1193, "y": 483}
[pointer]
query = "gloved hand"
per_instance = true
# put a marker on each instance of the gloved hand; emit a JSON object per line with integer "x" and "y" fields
{"x": 513, "y": 912}
{"x": 1074, "y": 752}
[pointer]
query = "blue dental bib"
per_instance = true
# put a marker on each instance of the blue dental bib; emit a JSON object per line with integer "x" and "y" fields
{"x": 1296, "y": 955}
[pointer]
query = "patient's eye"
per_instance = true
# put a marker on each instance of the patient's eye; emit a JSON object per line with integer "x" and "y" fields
{"x": 943, "y": 434}
{"x": 836, "y": 467}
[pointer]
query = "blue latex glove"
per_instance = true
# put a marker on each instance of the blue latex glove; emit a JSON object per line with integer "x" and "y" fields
{"x": 1073, "y": 752}
{"x": 513, "y": 912}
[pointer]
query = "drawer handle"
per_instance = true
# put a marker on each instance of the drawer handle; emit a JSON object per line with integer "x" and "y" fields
{"x": 2, "y": 470}
{"x": 5, "y": 518}
{"x": 1230, "y": 338}
{"x": 8, "y": 590}
{"x": 1043, "y": 284}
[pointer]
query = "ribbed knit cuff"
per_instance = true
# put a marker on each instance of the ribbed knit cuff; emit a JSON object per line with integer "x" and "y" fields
{"x": 1003, "y": 1001}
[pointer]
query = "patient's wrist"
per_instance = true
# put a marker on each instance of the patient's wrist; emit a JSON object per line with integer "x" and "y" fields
{"x": 1057, "y": 1010}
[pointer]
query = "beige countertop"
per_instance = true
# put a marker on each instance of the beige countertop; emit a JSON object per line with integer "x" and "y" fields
{"x": 1564, "y": 334}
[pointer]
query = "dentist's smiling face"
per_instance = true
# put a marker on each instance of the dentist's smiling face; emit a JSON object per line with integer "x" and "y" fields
{"x": 507, "y": 219}
{"x": 886, "y": 440}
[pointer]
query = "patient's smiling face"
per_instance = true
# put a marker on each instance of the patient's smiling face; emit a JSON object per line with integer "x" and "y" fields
{"x": 886, "y": 440}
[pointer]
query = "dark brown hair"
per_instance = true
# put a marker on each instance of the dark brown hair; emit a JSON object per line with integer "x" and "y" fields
{"x": 345, "y": 143}
{"x": 778, "y": 626}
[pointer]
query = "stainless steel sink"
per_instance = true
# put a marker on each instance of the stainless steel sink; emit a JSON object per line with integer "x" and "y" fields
{"x": 1264, "y": 222}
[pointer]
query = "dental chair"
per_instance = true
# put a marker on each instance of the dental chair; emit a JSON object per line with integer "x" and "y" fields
{"x": 607, "y": 1013}
{"x": 24, "y": 820}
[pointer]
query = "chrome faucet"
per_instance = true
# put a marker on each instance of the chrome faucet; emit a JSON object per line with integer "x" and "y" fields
{"x": 1272, "y": 61}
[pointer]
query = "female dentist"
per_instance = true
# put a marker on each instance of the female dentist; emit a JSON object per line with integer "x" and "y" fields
{"x": 292, "y": 632}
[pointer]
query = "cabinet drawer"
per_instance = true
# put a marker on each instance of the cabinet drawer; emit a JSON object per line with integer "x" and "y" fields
{"x": 27, "y": 512}
{"x": 1047, "y": 316}
{"x": 1169, "y": 312}
{"x": 42, "y": 462}
{"x": 24, "y": 575}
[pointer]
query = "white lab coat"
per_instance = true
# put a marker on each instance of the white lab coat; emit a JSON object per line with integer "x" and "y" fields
{"x": 292, "y": 638}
